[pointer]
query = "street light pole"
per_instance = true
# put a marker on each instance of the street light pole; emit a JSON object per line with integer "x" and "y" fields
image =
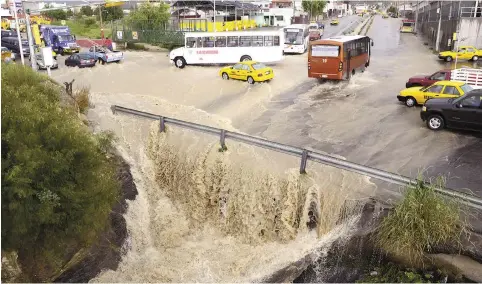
{"x": 214, "y": 15}
{"x": 17, "y": 26}
{"x": 437, "y": 41}
{"x": 33, "y": 60}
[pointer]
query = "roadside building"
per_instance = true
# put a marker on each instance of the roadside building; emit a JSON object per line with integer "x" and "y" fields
{"x": 462, "y": 16}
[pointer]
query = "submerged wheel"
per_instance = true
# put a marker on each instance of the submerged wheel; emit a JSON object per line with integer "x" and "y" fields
{"x": 250, "y": 80}
{"x": 225, "y": 76}
{"x": 180, "y": 62}
{"x": 245, "y": 58}
{"x": 448, "y": 58}
{"x": 410, "y": 102}
{"x": 435, "y": 122}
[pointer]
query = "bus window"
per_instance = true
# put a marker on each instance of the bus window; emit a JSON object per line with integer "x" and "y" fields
{"x": 232, "y": 41}
{"x": 208, "y": 41}
{"x": 325, "y": 50}
{"x": 220, "y": 41}
{"x": 276, "y": 41}
{"x": 245, "y": 41}
{"x": 257, "y": 41}
{"x": 191, "y": 42}
{"x": 268, "y": 40}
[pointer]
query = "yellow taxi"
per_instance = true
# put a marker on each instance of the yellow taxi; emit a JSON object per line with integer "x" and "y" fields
{"x": 441, "y": 89}
{"x": 463, "y": 52}
{"x": 334, "y": 22}
{"x": 250, "y": 71}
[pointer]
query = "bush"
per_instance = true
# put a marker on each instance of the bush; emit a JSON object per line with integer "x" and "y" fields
{"x": 136, "y": 46}
{"x": 421, "y": 221}
{"x": 82, "y": 99}
{"x": 58, "y": 186}
{"x": 89, "y": 22}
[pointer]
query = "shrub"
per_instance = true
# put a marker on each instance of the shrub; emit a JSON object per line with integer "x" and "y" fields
{"x": 82, "y": 99}
{"x": 58, "y": 186}
{"x": 136, "y": 46}
{"x": 422, "y": 220}
{"x": 89, "y": 22}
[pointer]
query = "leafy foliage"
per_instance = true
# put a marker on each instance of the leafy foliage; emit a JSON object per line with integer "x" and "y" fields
{"x": 58, "y": 14}
{"x": 422, "y": 220}
{"x": 149, "y": 17}
{"x": 313, "y": 7}
{"x": 390, "y": 273}
{"x": 58, "y": 186}
{"x": 87, "y": 11}
{"x": 110, "y": 13}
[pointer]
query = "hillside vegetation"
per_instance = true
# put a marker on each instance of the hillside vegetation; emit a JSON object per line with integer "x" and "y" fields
{"x": 58, "y": 186}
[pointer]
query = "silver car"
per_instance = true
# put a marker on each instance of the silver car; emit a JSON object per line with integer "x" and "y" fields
{"x": 40, "y": 63}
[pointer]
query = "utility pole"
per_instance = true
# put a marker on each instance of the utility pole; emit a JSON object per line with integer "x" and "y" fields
{"x": 416, "y": 16}
{"x": 33, "y": 60}
{"x": 17, "y": 27}
{"x": 476, "y": 7}
{"x": 214, "y": 15}
{"x": 437, "y": 41}
{"x": 101, "y": 27}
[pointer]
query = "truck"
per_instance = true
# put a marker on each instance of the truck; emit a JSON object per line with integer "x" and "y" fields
{"x": 59, "y": 38}
{"x": 104, "y": 55}
{"x": 471, "y": 76}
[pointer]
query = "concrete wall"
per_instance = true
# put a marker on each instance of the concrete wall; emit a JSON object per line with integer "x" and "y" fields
{"x": 471, "y": 32}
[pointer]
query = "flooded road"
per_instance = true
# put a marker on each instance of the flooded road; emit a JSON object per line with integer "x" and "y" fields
{"x": 208, "y": 216}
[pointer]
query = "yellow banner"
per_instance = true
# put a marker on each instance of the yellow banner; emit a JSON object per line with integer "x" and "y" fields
{"x": 113, "y": 3}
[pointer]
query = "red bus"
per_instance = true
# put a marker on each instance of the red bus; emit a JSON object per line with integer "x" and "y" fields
{"x": 338, "y": 58}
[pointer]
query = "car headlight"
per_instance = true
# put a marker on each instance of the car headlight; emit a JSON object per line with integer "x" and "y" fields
{"x": 424, "y": 108}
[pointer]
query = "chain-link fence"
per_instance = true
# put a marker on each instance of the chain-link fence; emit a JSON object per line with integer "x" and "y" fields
{"x": 450, "y": 13}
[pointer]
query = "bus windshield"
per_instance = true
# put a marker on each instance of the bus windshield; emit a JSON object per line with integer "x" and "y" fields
{"x": 408, "y": 24}
{"x": 325, "y": 50}
{"x": 294, "y": 36}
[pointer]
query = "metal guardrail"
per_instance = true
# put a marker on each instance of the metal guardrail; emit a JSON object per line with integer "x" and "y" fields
{"x": 304, "y": 154}
{"x": 471, "y": 12}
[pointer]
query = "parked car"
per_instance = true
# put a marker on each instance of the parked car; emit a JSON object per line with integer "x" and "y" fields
{"x": 315, "y": 35}
{"x": 104, "y": 55}
{"x": 80, "y": 60}
{"x": 12, "y": 44}
{"x": 250, "y": 71}
{"x": 442, "y": 89}
{"x": 7, "y": 55}
{"x": 8, "y": 33}
{"x": 464, "y": 53}
{"x": 471, "y": 76}
{"x": 40, "y": 62}
{"x": 461, "y": 113}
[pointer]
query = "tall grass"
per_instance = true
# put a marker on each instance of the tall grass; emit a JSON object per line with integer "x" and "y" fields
{"x": 421, "y": 221}
{"x": 82, "y": 99}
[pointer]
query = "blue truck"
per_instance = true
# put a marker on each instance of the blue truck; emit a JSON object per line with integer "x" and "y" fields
{"x": 59, "y": 38}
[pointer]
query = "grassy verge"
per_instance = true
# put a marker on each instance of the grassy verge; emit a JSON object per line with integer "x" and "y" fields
{"x": 86, "y": 27}
{"x": 420, "y": 222}
{"x": 391, "y": 273}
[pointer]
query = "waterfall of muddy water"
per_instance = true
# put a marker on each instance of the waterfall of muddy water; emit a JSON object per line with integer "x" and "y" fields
{"x": 208, "y": 216}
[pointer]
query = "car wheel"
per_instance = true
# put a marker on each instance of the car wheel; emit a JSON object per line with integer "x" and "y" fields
{"x": 61, "y": 51}
{"x": 448, "y": 58}
{"x": 180, "y": 62}
{"x": 250, "y": 80}
{"x": 245, "y": 58}
{"x": 410, "y": 102}
{"x": 475, "y": 58}
{"x": 225, "y": 76}
{"x": 435, "y": 122}
{"x": 102, "y": 62}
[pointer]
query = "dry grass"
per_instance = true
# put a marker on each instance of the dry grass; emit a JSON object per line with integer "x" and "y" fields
{"x": 82, "y": 98}
{"x": 421, "y": 221}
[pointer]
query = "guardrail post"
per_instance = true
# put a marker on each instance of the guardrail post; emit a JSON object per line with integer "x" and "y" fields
{"x": 304, "y": 158}
{"x": 222, "y": 141}
{"x": 162, "y": 124}
{"x": 113, "y": 108}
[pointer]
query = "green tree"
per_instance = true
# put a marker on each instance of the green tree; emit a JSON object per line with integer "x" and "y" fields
{"x": 58, "y": 186}
{"x": 87, "y": 11}
{"x": 313, "y": 7}
{"x": 110, "y": 13}
{"x": 393, "y": 10}
{"x": 57, "y": 14}
{"x": 69, "y": 13}
{"x": 149, "y": 17}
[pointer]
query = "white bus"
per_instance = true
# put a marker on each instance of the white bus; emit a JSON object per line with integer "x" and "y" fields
{"x": 297, "y": 38}
{"x": 228, "y": 47}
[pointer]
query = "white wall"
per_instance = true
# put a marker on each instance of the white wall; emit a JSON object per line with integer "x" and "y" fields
{"x": 470, "y": 32}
